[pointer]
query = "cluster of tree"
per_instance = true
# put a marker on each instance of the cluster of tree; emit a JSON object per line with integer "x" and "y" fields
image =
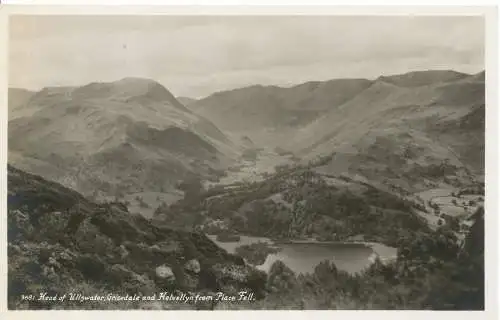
{"x": 282, "y": 152}
{"x": 192, "y": 188}
{"x": 250, "y": 154}
{"x": 283, "y": 168}
{"x": 434, "y": 206}
{"x": 308, "y": 207}
{"x": 141, "y": 202}
{"x": 256, "y": 253}
{"x": 476, "y": 189}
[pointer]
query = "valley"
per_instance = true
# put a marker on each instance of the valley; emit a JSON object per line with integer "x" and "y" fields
{"x": 355, "y": 180}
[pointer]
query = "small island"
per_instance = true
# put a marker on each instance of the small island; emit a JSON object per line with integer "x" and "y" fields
{"x": 256, "y": 253}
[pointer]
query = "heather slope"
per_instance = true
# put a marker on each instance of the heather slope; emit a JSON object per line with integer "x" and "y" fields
{"x": 59, "y": 242}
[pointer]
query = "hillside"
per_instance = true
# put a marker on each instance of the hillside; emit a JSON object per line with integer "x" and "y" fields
{"x": 387, "y": 186}
{"x": 431, "y": 272}
{"x": 17, "y": 100}
{"x": 423, "y": 78}
{"x": 186, "y": 100}
{"x": 267, "y": 113}
{"x": 112, "y": 138}
{"x": 402, "y": 139}
{"x": 393, "y": 129}
{"x": 437, "y": 268}
{"x": 298, "y": 203}
{"x": 402, "y": 128}
{"x": 59, "y": 242}
{"x": 397, "y": 161}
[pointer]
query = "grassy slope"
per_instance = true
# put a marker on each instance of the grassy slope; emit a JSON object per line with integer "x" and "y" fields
{"x": 101, "y": 133}
{"x": 403, "y": 133}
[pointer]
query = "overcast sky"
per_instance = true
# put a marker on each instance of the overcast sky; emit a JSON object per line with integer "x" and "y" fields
{"x": 196, "y": 56}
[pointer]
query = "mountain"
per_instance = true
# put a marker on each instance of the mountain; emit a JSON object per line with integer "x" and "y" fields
{"x": 124, "y": 136}
{"x": 186, "y": 100}
{"x": 61, "y": 243}
{"x": 398, "y": 127}
{"x": 17, "y": 100}
{"x": 266, "y": 112}
{"x": 422, "y": 78}
{"x": 412, "y": 131}
{"x": 397, "y": 161}
{"x": 370, "y": 166}
{"x": 402, "y": 128}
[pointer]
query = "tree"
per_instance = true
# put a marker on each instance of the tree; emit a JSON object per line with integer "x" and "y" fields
{"x": 475, "y": 239}
{"x": 282, "y": 168}
{"x": 192, "y": 188}
{"x": 141, "y": 202}
{"x": 95, "y": 195}
{"x": 250, "y": 154}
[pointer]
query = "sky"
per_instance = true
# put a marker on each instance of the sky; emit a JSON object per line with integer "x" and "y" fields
{"x": 195, "y": 56}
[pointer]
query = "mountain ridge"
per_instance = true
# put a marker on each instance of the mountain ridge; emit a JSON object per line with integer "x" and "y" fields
{"x": 259, "y": 111}
{"x": 80, "y": 126}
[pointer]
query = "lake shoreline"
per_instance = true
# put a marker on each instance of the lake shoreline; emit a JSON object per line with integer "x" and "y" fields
{"x": 384, "y": 253}
{"x": 375, "y": 246}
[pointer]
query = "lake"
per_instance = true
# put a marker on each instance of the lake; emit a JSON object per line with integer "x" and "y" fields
{"x": 303, "y": 257}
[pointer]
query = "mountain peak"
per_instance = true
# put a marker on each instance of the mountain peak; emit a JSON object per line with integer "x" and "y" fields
{"x": 129, "y": 89}
{"x": 136, "y": 80}
{"x": 423, "y": 78}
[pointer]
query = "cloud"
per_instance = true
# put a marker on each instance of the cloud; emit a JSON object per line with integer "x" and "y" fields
{"x": 195, "y": 56}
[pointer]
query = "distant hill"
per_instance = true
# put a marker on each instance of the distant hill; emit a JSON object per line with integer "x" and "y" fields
{"x": 122, "y": 136}
{"x": 393, "y": 131}
{"x": 419, "y": 112}
{"x": 17, "y": 100}
{"x": 423, "y": 78}
{"x": 186, "y": 100}
{"x": 401, "y": 130}
{"x": 261, "y": 112}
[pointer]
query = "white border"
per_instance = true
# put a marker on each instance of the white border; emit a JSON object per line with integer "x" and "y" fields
{"x": 491, "y": 179}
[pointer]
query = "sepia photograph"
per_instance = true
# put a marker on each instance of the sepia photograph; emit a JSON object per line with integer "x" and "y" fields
{"x": 246, "y": 162}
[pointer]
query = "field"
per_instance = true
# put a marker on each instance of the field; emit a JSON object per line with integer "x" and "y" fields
{"x": 443, "y": 201}
{"x": 145, "y": 203}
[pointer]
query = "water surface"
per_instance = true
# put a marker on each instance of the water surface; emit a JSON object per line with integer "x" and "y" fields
{"x": 303, "y": 257}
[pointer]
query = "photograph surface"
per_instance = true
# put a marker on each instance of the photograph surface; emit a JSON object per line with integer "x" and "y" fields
{"x": 246, "y": 162}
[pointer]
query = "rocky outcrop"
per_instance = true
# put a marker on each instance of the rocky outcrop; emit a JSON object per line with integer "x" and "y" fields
{"x": 193, "y": 266}
{"x": 165, "y": 272}
{"x": 108, "y": 249}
